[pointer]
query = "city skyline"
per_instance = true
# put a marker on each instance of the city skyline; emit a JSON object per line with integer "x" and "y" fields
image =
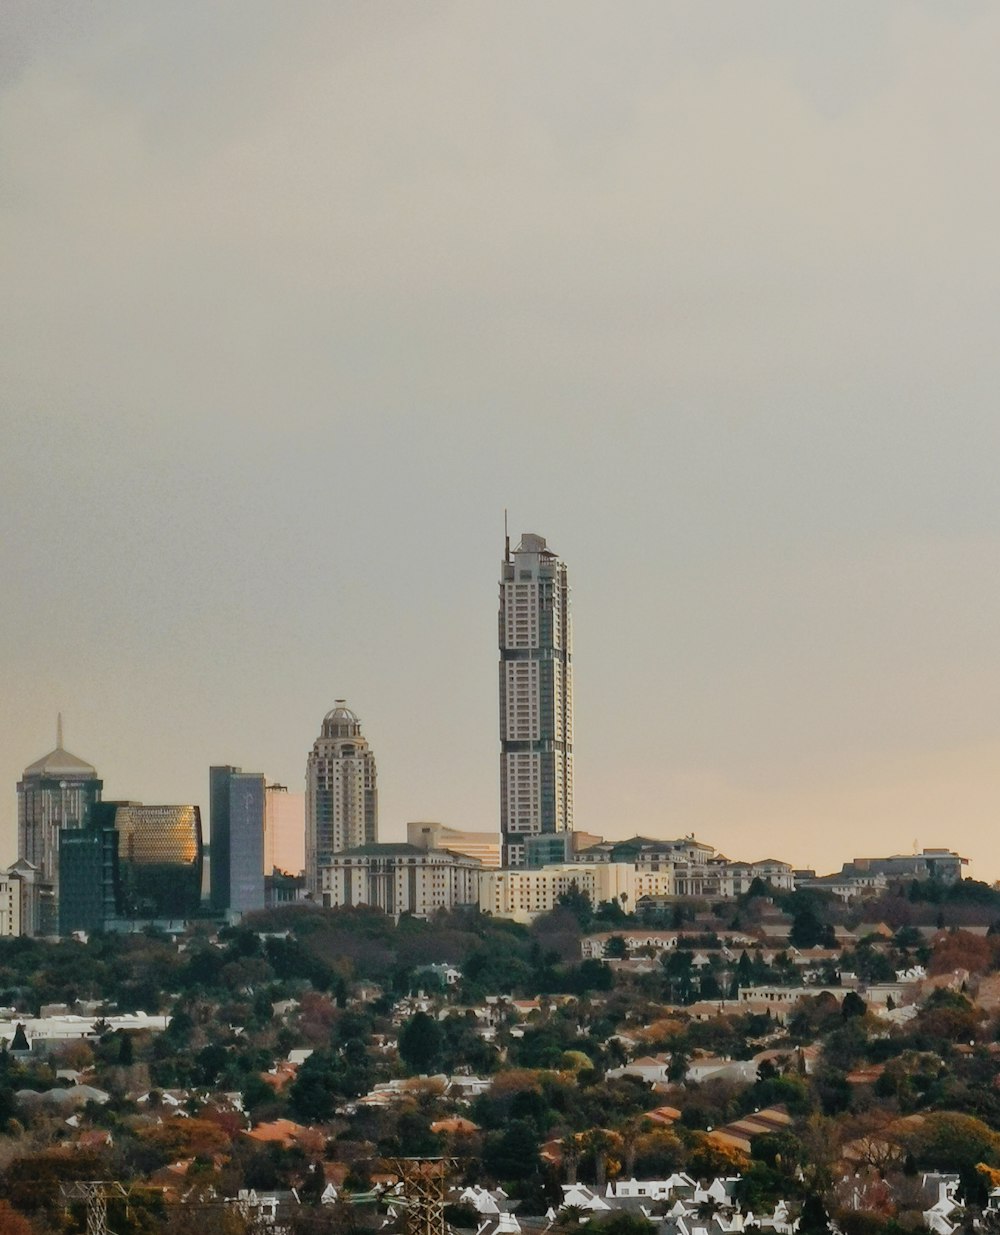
{"x": 300, "y": 300}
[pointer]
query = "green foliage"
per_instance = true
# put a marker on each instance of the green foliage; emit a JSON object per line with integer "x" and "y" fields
{"x": 809, "y": 930}
{"x": 126, "y": 1052}
{"x": 621, "y": 1223}
{"x": 832, "y": 1090}
{"x": 512, "y": 1154}
{"x": 462, "y": 1216}
{"x": 616, "y": 948}
{"x": 326, "y": 1079}
{"x": 852, "y": 1005}
{"x": 813, "y": 1219}
{"x": 949, "y": 1141}
{"x": 420, "y": 1043}
{"x": 578, "y": 904}
{"x": 788, "y": 1091}
{"x": 963, "y": 892}
{"x": 610, "y": 913}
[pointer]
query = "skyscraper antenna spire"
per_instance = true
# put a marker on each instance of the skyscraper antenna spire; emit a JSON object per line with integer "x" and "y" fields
{"x": 59, "y": 730}
{"x": 506, "y": 538}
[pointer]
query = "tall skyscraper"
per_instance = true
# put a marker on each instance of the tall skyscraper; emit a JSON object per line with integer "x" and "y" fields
{"x": 341, "y": 792}
{"x": 236, "y": 824}
{"x": 55, "y": 792}
{"x": 536, "y": 696}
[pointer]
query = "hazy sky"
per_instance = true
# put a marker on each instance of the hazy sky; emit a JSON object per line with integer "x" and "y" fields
{"x": 298, "y": 297}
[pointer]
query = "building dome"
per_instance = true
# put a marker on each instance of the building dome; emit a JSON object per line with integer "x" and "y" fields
{"x": 341, "y": 722}
{"x": 341, "y": 713}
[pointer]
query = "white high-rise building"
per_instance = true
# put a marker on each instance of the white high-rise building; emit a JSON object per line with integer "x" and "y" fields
{"x": 536, "y": 696}
{"x": 341, "y": 792}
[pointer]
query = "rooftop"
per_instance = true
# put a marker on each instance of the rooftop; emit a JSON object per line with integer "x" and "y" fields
{"x": 59, "y": 764}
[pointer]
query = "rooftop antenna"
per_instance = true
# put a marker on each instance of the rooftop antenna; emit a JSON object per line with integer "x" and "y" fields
{"x": 59, "y": 739}
{"x": 506, "y": 538}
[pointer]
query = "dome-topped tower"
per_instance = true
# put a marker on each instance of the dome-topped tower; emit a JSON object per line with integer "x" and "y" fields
{"x": 55, "y": 792}
{"x": 341, "y": 792}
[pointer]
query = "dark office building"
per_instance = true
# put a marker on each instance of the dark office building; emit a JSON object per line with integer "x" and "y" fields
{"x": 88, "y": 877}
{"x": 236, "y": 824}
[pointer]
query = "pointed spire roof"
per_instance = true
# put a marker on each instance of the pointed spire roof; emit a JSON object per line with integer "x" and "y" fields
{"x": 59, "y": 763}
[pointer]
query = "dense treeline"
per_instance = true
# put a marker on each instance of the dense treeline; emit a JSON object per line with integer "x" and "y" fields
{"x": 360, "y": 993}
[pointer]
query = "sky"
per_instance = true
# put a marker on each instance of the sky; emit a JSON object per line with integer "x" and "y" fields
{"x": 300, "y": 297}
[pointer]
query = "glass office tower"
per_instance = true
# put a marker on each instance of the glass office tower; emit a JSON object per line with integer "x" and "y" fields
{"x": 236, "y": 824}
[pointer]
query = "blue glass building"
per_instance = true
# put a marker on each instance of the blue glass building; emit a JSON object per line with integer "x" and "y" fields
{"x": 236, "y": 825}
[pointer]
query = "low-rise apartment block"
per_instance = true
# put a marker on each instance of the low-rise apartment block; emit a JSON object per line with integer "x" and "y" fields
{"x": 524, "y": 894}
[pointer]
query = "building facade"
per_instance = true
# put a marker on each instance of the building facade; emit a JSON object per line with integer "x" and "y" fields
{"x": 942, "y": 864}
{"x": 284, "y": 831}
{"x": 341, "y": 792}
{"x": 400, "y": 878}
{"x": 88, "y": 885}
{"x": 25, "y": 902}
{"x": 55, "y": 793}
{"x": 536, "y": 696}
{"x": 484, "y": 846}
{"x": 236, "y": 823}
{"x": 523, "y": 894}
{"x": 160, "y": 856}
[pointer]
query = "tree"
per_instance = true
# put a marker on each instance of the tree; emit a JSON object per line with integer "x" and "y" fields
{"x": 420, "y": 1042}
{"x": 657, "y": 1154}
{"x": 709, "y": 1159}
{"x": 963, "y": 950}
{"x": 948, "y": 1017}
{"x": 814, "y": 1219}
{"x": 126, "y": 1054}
{"x": 680, "y": 976}
{"x": 616, "y": 948}
{"x": 314, "y": 1093}
{"x": 589, "y": 975}
{"x": 948, "y": 1141}
{"x": 578, "y": 903}
{"x": 853, "y": 1005}
{"x": 513, "y": 1153}
{"x": 13, "y": 1223}
{"x": 809, "y": 932}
